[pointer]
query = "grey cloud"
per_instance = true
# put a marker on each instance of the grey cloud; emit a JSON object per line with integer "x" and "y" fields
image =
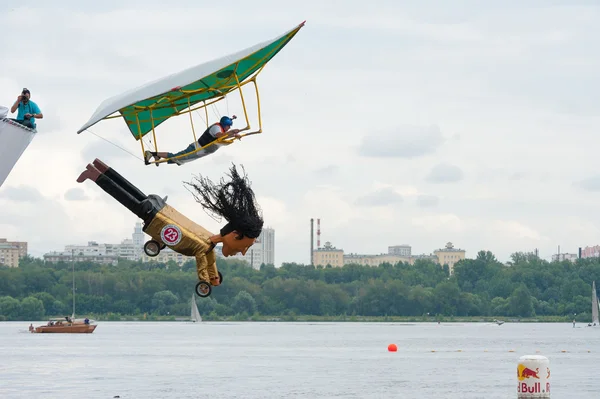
{"x": 22, "y": 194}
{"x": 52, "y": 121}
{"x": 328, "y": 170}
{"x": 44, "y": 223}
{"x": 589, "y": 184}
{"x": 75, "y": 194}
{"x": 382, "y": 197}
{"x": 402, "y": 142}
{"x": 290, "y": 158}
{"x": 222, "y": 158}
{"x": 426, "y": 201}
{"x": 445, "y": 173}
{"x": 105, "y": 150}
{"x": 517, "y": 175}
{"x": 488, "y": 175}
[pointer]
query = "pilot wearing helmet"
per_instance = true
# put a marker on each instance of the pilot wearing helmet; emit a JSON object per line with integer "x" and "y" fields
{"x": 214, "y": 132}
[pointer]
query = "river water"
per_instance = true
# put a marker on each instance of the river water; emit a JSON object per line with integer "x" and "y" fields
{"x": 294, "y": 360}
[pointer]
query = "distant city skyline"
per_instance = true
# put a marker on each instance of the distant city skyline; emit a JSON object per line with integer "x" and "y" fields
{"x": 263, "y": 251}
{"x": 131, "y": 248}
{"x": 139, "y": 238}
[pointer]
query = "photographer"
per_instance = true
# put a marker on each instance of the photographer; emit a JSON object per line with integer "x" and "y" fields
{"x": 28, "y": 110}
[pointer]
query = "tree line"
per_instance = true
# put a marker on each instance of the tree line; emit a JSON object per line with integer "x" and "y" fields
{"x": 528, "y": 286}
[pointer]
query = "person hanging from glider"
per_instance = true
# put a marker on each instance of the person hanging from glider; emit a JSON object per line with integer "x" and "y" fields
{"x": 211, "y": 134}
{"x": 233, "y": 200}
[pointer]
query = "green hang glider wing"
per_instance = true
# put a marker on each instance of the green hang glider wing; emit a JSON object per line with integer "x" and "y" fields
{"x": 148, "y": 106}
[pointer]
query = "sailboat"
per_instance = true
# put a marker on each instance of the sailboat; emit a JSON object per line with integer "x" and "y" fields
{"x": 595, "y": 306}
{"x": 195, "y": 317}
{"x": 68, "y": 325}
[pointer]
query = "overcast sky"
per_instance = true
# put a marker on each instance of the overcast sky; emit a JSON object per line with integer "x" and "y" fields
{"x": 395, "y": 122}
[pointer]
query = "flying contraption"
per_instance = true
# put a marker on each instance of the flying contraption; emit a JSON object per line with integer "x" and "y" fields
{"x": 14, "y": 140}
{"x": 144, "y": 108}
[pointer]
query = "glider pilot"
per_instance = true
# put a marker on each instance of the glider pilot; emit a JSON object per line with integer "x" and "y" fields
{"x": 210, "y": 135}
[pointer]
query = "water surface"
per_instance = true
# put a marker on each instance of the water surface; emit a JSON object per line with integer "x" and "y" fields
{"x": 294, "y": 360}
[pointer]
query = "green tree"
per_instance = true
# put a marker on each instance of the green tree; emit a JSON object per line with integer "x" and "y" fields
{"x": 483, "y": 286}
{"x": 162, "y": 301}
{"x": 10, "y": 308}
{"x": 32, "y": 309}
{"x": 243, "y": 302}
{"x": 520, "y": 303}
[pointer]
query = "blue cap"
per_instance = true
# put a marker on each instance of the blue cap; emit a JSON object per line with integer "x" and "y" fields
{"x": 226, "y": 121}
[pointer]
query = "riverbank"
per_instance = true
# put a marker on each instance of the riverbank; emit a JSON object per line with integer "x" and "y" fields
{"x": 342, "y": 318}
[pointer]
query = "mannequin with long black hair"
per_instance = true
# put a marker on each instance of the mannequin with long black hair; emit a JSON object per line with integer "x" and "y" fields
{"x": 232, "y": 200}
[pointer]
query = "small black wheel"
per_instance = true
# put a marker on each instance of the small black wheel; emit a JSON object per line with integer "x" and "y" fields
{"x": 220, "y": 278}
{"x": 152, "y": 248}
{"x": 203, "y": 289}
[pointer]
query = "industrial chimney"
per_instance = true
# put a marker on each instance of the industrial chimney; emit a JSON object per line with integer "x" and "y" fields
{"x": 318, "y": 233}
{"x": 312, "y": 239}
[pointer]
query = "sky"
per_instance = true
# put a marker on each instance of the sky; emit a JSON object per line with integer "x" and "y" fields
{"x": 400, "y": 122}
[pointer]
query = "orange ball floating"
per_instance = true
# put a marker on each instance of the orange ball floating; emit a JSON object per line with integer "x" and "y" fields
{"x": 392, "y": 348}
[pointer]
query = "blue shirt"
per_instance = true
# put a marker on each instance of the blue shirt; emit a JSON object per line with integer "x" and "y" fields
{"x": 29, "y": 108}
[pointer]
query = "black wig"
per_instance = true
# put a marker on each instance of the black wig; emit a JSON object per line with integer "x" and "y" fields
{"x": 233, "y": 200}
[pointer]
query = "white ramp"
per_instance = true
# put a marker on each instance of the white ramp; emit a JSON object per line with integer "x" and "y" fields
{"x": 14, "y": 140}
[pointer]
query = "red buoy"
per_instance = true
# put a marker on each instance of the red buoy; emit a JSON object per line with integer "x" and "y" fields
{"x": 392, "y": 348}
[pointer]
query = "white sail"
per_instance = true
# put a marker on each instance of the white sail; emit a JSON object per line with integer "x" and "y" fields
{"x": 595, "y": 305}
{"x": 195, "y": 313}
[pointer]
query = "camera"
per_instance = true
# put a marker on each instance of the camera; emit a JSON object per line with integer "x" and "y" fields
{"x": 27, "y": 117}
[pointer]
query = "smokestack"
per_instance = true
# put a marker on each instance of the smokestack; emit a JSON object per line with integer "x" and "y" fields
{"x": 312, "y": 239}
{"x": 579, "y": 252}
{"x": 318, "y": 233}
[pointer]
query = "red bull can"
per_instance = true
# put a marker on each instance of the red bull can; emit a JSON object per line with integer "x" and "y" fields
{"x": 533, "y": 377}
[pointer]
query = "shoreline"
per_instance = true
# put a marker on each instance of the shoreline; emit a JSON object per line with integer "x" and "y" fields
{"x": 327, "y": 319}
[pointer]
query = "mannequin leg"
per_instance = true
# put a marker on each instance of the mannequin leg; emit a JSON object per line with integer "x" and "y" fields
{"x": 120, "y": 180}
{"x": 114, "y": 189}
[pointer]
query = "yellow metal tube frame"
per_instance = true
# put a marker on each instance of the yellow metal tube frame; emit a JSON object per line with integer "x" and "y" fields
{"x": 206, "y": 113}
{"x": 191, "y": 121}
{"x": 140, "y": 135}
{"x": 153, "y": 132}
{"x": 226, "y": 140}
